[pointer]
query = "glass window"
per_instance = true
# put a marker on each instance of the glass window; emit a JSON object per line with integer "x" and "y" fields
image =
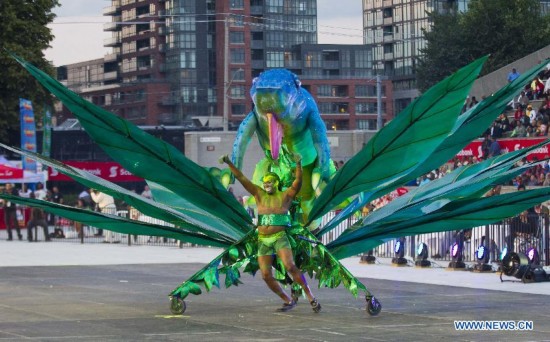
{"x": 238, "y": 109}
{"x": 187, "y": 59}
{"x": 275, "y": 59}
{"x": 237, "y": 92}
{"x": 237, "y": 4}
{"x": 237, "y": 56}
{"x": 323, "y": 90}
{"x": 236, "y": 37}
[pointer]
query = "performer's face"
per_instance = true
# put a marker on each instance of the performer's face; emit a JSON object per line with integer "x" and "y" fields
{"x": 270, "y": 185}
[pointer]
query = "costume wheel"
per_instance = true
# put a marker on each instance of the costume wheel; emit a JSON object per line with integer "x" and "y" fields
{"x": 373, "y": 306}
{"x": 177, "y": 305}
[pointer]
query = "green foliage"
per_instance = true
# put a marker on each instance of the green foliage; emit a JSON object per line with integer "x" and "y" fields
{"x": 23, "y": 30}
{"x": 507, "y": 30}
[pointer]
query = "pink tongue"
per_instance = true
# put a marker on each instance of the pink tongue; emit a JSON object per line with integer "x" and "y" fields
{"x": 275, "y": 136}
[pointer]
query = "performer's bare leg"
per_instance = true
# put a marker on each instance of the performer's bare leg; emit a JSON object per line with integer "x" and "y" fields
{"x": 286, "y": 257}
{"x": 265, "y": 262}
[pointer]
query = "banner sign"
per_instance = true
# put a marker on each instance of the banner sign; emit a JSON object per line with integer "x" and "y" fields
{"x": 110, "y": 171}
{"x": 47, "y": 133}
{"x": 507, "y": 145}
{"x": 28, "y": 133}
{"x": 7, "y": 172}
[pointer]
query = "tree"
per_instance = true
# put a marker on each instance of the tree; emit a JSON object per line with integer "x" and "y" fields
{"x": 24, "y": 31}
{"x": 507, "y": 30}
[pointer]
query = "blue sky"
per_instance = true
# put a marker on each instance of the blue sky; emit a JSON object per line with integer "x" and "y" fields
{"x": 79, "y": 35}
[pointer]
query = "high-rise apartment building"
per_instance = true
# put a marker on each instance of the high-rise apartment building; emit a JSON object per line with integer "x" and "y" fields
{"x": 176, "y": 60}
{"x": 393, "y": 28}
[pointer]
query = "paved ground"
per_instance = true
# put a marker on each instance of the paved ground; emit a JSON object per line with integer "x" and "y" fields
{"x": 128, "y": 302}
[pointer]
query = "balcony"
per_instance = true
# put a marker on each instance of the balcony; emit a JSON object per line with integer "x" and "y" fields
{"x": 257, "y": 64}
{"x": 109, "y": 76}
{"x": 257, "y": 10}
{"x": 112, "y": 42}
{"x": 331, "y": 65}
{"x": 109, "y": 27}
{"x": 257, "y": 44}
{"x": 388, "y": 21}
{"x": 170, "y": 100}
{"x": 293, "y": 64}
{"x": 111, "y": 10}
{"x": 110, "y": 57}
{"x": 388, "y": 37}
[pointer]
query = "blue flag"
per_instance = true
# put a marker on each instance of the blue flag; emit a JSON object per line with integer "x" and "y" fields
{"x": 28, "y": 133}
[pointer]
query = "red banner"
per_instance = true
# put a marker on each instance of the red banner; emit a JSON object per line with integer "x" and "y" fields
{"x": 7, "y": 172}
{"x": 110, "y": 171}
{"x": 507, "y": 145}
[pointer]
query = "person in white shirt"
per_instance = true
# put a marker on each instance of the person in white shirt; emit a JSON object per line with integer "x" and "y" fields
{"x": 25, "y": 192}
{"x": 106, "y": 205}
{"x": 40, "y": 193}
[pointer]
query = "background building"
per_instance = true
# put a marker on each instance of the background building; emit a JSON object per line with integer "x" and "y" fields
{"x": 393, "y": 29}
{"x": 191, "y": 63}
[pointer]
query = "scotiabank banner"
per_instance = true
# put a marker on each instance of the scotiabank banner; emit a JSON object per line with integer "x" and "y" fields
{"x": 110, "y": 171}
{"x": 507, "y": 145}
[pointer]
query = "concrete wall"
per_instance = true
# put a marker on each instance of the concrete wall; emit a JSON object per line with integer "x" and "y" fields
{"x": 205, "y": 148}
{"x": 489, "y": 84}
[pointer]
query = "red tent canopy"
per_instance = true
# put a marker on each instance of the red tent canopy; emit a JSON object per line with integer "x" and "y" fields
{"x": 8, "y": 172}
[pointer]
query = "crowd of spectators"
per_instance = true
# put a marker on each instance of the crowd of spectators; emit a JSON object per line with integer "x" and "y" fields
{"x": 528, "y": 114}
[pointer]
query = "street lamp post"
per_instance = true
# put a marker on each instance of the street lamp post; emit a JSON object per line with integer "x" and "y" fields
{"x": 378, "y": 102}
{"x": 226, "y": 76}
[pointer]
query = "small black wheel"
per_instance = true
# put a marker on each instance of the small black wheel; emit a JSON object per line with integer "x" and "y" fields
{"x": 315, "y": 305}
{"x": 295, "y": 294}
{"x": 373, "y": 306}
{"x": 177, "y": 305}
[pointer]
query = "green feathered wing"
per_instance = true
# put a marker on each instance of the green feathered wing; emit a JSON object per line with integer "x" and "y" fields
{"x": 467, "y": 127}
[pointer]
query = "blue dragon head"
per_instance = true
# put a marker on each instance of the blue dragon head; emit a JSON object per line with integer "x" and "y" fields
{"x": 275, "y": 93}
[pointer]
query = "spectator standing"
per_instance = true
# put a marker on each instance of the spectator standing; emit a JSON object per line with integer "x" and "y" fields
{"x": 25, "y": 192}
{"x": 494, "y": 148}
{"x": 86, "y": 199}
{"x": 56, "y": 197}
{"x": 10, "y": 213}
{"x": 40, "y": 193}
{"x": 38, "y": 219}
{"x": 106, "y": 205}
{"x": 512, "y": 75}
{"x": 81, "y": 204}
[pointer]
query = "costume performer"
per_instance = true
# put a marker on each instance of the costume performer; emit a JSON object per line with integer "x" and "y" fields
{"x": 273, "y": 219}
{"x": 426, "y": 134}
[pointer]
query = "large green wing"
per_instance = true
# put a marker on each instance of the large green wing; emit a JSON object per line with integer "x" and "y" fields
{"x": 188, "y": 218}
{"x": 397, "y": 149}
{"x": 116, "y": 223}
{"x": 148, "y": 157}
{"x": 467, "y": 127}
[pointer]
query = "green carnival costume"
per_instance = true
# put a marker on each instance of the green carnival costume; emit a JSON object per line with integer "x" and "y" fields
{"x": 426, "y": 134}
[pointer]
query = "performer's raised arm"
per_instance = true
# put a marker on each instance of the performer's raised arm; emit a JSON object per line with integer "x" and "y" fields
{"x": 247, "y": 184}
{"x": 297, "y": 184}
